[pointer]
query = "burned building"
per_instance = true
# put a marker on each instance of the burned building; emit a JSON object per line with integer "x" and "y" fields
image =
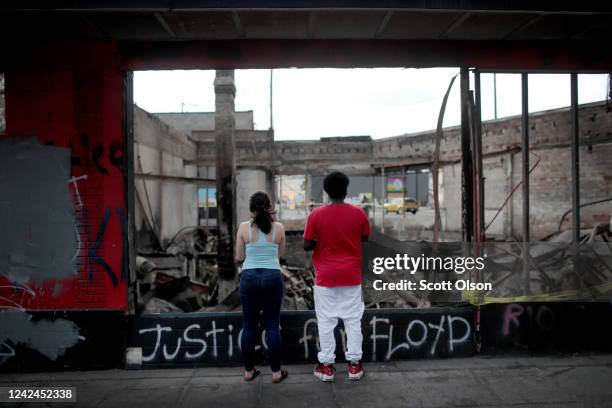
{"x": 175, "y": 162}
{"x": 69, "y": 114}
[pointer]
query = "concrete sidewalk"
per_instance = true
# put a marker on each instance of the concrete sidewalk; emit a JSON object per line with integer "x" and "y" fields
{"x": 584, "y": 381}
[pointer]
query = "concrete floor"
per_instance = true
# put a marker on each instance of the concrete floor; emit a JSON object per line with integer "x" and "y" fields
{"x": 583, "y": 381}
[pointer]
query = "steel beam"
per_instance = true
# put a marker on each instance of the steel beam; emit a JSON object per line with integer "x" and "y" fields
{"x": 483, "y": 6}
{"x": 516, "y": 56}
{"x": 478, "y": 154}
{"x": 467, "y": 196}
{"x": 237, "y": 24}
{"x": 455, "y": 24}
{"x": 176, "y": 179}
{"x": 525, "y": 172}
{"x": 129, "y": 243}
{"x": 162, "y": 21}
{"x": 575, "y": 159}
{"x": 383, "y": 23}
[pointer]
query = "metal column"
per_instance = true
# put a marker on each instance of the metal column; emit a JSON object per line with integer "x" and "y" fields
{"x": 280, "y": 198}
{"x": 575, "y": 160}
{"x": 374, "y": 200}
{"x": 466, "y": 160}
{"x": 525, "y": 172}
{"x": 382, "y": 197}
{"x": 478, "y": 154}
{"x": 129, "y": 244}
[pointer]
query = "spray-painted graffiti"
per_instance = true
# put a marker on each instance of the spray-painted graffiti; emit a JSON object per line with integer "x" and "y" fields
{"x": 55, "y": 234}
{"x": 49, "y": 338}
{"x": 216, "y": 338}
{"x": 563, "y": 326}
{"x": 60, "y": 339}
{"x": 84, "y": 155}
{"x": 517, "y": 315}
{"x": 93, "y": 255}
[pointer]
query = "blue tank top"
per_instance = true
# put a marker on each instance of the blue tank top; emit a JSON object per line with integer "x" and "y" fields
{"x": 261, "y": 253}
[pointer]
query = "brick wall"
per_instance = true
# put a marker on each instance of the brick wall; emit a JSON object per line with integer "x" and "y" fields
{"x": 80, "y": 109}
{"x": 549, "y": 183}
{"x": 550, "y": 188}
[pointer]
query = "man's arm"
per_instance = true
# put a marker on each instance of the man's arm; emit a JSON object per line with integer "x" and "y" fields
{"x": 309, "y": 232}
{"x": 365, "y": 228}
{"x": 309, "y": 245}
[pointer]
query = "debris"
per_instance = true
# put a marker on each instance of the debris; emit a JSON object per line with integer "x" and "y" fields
{"x": 188, "y": 300}
{"x": 171, "y": 288}
{"x": 185, "y": 279}
{"x": 144, "y": 266}
{"x": 298, "y": 287}
{"x": 157, "y": 305}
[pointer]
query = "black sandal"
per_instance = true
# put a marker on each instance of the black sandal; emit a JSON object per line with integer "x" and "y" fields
{"x": 256, "y": 372}
{"x": 284, "y": 374}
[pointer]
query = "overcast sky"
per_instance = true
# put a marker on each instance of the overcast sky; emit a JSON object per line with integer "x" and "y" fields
{"x": 382, "y": 102}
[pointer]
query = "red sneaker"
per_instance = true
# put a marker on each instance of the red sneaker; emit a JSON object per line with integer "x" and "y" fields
{"x": 324, "y": 372}
{"x": 355, "y": 371}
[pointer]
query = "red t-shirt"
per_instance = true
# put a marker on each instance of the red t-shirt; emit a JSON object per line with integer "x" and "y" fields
{"x": 337, "y": 229}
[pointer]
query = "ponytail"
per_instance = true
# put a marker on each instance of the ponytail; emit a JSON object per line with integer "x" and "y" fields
{"x": 260, "y": 205}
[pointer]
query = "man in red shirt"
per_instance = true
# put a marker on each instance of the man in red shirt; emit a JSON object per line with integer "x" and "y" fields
{"x": 335, "y": 232}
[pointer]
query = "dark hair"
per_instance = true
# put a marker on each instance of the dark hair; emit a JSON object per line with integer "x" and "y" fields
{"x": 260, "y": 204}
{"x": 335, "y": 185}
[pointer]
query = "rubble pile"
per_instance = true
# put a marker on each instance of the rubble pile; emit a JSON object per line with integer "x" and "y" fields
{"x": 299, "y": 284}
{"x": 183, "y": 278}
{"x": 556, "y": 264}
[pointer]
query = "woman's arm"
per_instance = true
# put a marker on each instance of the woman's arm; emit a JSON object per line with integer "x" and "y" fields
{"x": 282, "y": 249}
{"x": 239, "y": 253}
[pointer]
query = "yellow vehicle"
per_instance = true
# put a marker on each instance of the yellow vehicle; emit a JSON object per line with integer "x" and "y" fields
{"x": 397, "y": 206}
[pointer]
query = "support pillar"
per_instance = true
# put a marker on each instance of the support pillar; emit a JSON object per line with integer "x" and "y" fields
{"x": 467, "y": 198}
{"x": 525, "y": 172}
{"x": 575, "y": 161}
{"x": 225, "y": 92}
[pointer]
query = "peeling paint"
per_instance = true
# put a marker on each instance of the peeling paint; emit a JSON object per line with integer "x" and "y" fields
{"x": 36, "y": 212}
{"x": 50, "y": 338}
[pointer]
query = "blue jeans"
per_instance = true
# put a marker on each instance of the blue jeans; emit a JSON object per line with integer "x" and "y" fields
{"x": 261, "y": 290}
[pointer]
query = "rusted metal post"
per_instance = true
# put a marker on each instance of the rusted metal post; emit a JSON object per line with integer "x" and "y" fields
{"x": 129, "y": 244}
{"x": 575, "y": 161}
{"x": 436, "y": 163}
{"x": 280, "y": 198}
{"x": 525, "y": 171}
{"x": 383, "y": 189}
{"x": 374, "y": 200}
{"x": 478, "y": 154}
{"x": 206, "y": 208}
{"x": 225, "y": 92}
{"x": 466, "y": 160}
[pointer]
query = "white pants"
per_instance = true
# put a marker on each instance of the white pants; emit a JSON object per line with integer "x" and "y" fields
{"x": 331, "y": 304}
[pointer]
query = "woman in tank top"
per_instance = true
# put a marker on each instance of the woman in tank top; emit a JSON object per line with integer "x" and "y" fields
{"x": 259, "y": 243}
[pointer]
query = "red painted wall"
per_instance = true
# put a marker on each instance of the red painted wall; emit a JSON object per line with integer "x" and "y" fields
{"x": 80, "y": 108}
